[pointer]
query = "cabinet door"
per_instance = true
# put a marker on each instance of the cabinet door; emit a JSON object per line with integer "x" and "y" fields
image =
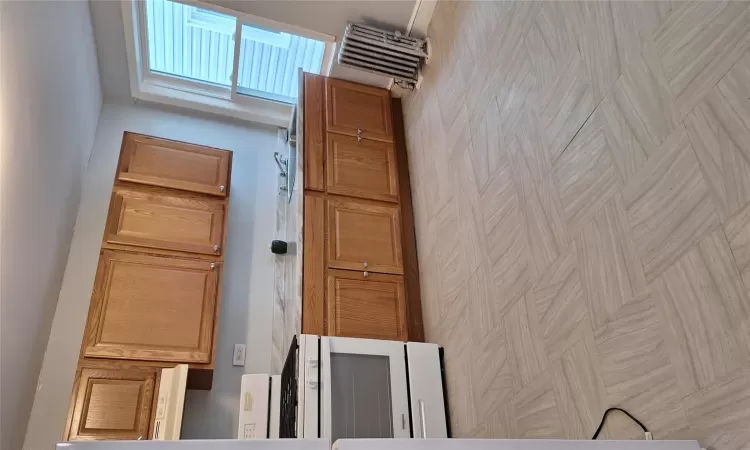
{"x": 313, "y": 133}
{"x": 361, "y": 168}
{"x": 152, "y": 308}
{"x": 172, "y": 164}
{"x": 314, "y": 265}
{"x": 363, "y": 235}
{"x": 366, "y": 306}
{"x": 356, "y": 109}
{"x": 156, "y": 218}
{"x": 112, "y": 404}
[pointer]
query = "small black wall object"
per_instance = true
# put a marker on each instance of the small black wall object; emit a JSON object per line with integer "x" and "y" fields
{"x": 278, "y": 247}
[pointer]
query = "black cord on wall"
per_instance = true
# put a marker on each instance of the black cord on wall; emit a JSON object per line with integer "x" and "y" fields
{"x": 604, "y": 418}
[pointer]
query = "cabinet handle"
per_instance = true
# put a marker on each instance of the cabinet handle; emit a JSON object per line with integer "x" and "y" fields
{"x": 366, "y": 265}
{"x": 221, "y": 188}
{"x": 422, "y": 419}
{"x": 359, "y": 138}
{"x": 403, "y": 422}
{"x": 213, "y": 265}
{"x": 217, "y": 248}
{"x": 359, "y": 132}
{"x": 366, "y": 273}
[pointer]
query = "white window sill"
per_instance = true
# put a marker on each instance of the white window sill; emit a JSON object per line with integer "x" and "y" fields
{"x": 250, "y": 108}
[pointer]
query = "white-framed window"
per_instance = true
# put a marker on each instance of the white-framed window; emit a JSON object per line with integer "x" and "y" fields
{"x": 200, "y": 56}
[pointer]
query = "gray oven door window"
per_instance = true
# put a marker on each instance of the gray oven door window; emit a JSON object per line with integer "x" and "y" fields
{"x": 360, "y": 397}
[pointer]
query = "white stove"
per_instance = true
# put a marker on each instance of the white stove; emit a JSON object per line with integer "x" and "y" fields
{"x": 368, "y": 388}
{"x": 334, "y": 388}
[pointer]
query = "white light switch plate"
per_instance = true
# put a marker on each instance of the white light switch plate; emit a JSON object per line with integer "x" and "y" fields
{"x": 238, "y": 359}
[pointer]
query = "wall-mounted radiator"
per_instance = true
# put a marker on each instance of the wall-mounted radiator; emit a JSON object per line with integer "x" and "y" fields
{"x": 384, "y": 53}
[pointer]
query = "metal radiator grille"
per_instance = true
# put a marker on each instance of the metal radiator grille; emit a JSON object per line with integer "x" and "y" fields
{"x": 384, "y": 53}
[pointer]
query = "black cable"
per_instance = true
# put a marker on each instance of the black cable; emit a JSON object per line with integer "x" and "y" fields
{"x": 604, "y": 418}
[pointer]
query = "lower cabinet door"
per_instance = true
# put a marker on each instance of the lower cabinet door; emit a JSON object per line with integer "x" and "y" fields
{"x": 152, "y": 308}
{"x": 364, "y": 235}
{"x": 112, "y": 404}
{"x": 366, "y": 305}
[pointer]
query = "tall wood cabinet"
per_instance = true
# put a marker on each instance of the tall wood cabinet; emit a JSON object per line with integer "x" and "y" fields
{"x": 155, "y": 299}
{"x": 355, "y": 283}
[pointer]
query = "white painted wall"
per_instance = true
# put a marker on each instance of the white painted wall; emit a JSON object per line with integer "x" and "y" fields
{"x": 50, "y": 99}
{"x": 246, "y": 303}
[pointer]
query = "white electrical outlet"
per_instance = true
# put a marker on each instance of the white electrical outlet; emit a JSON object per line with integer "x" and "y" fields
{"x": 238, "y": 359}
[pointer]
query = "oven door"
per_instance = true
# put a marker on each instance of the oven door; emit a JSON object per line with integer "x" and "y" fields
{"x": 363, "y": 389}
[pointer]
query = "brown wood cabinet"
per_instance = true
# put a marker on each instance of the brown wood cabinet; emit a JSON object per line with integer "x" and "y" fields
{"x": 162, "y": 219}
{"x": 313, "y": 132}
{"x": 314, "y": 265}
{"x": 358, "y": 110}
{"x": 366, "y": 305}
{"x": 361, "y": 168}
{"x": 155, "y": 301}
{"x": 112, "y": 404}
{"x": 364, "y": 236}
{"x": 355, "y": 282}
{"x": 153, "y": 308}
{"x": 171, "y": 164}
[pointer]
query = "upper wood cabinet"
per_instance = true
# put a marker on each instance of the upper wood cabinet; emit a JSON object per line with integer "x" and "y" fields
{"x": 313, "y": 132}
{"x": 111, "y": 404}
{"x": 358, "y": 110}
{"x": 172, "y": 164}
{"x": 366, "y": 306}
{"x": 165, "y": 219}
{"x": 364, "y": 236}
{"x": 152, "y": 308}
{"x": 361, "y": 168}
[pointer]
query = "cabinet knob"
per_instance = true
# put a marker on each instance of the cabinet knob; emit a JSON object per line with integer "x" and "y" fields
{"x": 359, "y": 138}
{"x": 221, "y": 188}
{"x": 213, "y": 265}
{"x": 366, "y": 273}
{"x": 366, "y": 264}
{"x": 217, "y": 248}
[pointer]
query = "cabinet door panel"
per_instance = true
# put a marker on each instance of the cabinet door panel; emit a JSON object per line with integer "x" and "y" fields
{"x": 364, "y": 236}
{"x": 369, "y": 306}
{"x": 112, "y": 404}
{"x": 313, "y": 122}
{"x": 163, "y": 220}
{"x": 152, "y": 308}
{"x": 356, "y": 109}
{"x": 313, "y": 265}
{"x": 172, "y": 164}
{"x": 361, "y": 168}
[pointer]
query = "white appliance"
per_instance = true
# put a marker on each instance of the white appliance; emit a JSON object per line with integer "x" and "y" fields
{"x": 259, "y": 406}
{"x": 170, "y": 404}
{"x": 213, "y": 444}
{"x": 366, "y": 388}
{"x": 508, "y": 444}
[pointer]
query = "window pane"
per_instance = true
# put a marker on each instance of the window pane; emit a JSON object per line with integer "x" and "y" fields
{"x": 190, "y": 42}
{"x": 269, "y": 62}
